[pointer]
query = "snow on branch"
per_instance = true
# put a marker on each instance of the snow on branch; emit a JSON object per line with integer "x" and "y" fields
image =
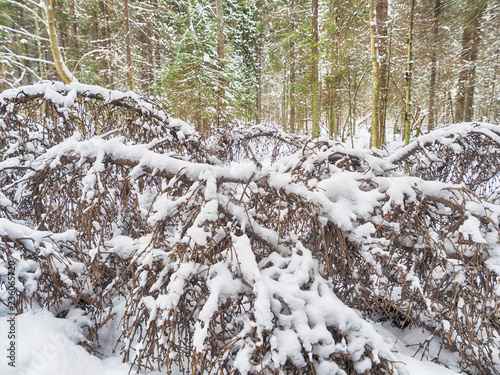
{"x": 224, "y": 263}
{"x": 467, "y": 154}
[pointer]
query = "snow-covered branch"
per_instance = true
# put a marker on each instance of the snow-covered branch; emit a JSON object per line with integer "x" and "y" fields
{"x": 238, "y": 262}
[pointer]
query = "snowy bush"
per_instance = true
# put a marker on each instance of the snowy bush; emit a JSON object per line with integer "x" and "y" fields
{"x": 208, "y": 258}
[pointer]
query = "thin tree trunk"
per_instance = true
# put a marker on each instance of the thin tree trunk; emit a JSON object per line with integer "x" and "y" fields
{"x": 408, "y": 76}
{"x": 61, "y": 67}
{"x": 450, "y": 100}
{"x": 292, "y": 71}
{"x": 130, "y": 77}
{"x": 284, "y": 119}
{"x": 220, "y": 30}
{"x": 220, "y": 56}
{"x": 436, "y": 12}
{"x": 74, "y": 27}
{"x": 108, "y": 47}
{"x": 94, "y": 27}
{"x": 145, "y": 42}
{"x": 314, "y": 72}
{"x": 471, "y": 82}
{"x": 375, "y": 132}
{"x": 3, "y": 86}
{"x": 383, "y": 52}
{"x": 39, "y": 47}
{"x": 258, "y": 97}
{"x": 492, "y": 97}
{"x": 470, "y": 46}
{"x": 332, "y": 128}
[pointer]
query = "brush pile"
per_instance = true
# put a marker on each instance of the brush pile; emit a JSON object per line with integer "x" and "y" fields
{"x": 210, "y": 257}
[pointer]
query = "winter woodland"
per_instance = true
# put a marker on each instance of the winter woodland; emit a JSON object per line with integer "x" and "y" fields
{"x": 249, "y": 187}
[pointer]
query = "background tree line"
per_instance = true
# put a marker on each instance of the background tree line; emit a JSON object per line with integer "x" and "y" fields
{"x": 302, "y": 64}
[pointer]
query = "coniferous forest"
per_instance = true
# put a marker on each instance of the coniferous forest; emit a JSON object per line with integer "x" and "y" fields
{"x": 297, "y": 64}
{"x": 249, "y": 187}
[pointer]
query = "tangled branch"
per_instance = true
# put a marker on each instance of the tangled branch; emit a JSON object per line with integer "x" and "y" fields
{"x": 112, "y": 213}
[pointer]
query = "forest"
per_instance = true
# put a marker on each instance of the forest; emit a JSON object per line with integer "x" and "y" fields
{"x": 249, "y": 187}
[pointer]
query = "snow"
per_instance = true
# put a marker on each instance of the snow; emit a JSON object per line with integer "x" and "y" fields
{"x": 407, "y": 343}
{"x": 64, "y": 95}
{"x": 47, "y": 345}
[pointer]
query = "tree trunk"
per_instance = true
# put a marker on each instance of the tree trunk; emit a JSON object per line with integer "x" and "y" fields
{"x": 108, "y": 47}
{"x": 61, "y": 67}
{"x": 470, "y": 46}
{"x": 259, "y": 55}
{"x": 39, "y": 47}
{"x": 3, "y": 85}
{"x": 471, "y": 82}
{"x": 292, "y": 71}
{"x": 436, "y": 12}
{"x": 492, "y": 97}
{"x": 130, "y": 77}
{"x": 73, "y": 30}
{"x": 375, "y": 131}
{"x": 332, "y": 123}
{"x": 284, "y": 114}
{"x": 220, "y": 56}
{"x": 408, "y": 76}
{"x": 146, "y": 43}
{"x": 383, "y": 52}
{"x": 292, "y": 88}
{"x": 314, "y": 72}
{"x": 220, "y": 30}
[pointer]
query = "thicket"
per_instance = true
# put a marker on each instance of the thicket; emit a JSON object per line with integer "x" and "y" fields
{"x": 254, "y": 251}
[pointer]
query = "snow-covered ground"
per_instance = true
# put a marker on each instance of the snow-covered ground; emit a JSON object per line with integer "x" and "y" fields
{"x": 46, "y": 345}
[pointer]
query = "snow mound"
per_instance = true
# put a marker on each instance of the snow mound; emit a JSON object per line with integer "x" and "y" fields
{"x": 47, "y": 345}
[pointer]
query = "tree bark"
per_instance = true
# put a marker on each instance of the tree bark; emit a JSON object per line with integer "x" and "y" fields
{"x": 73, "y": 31}
{"x": 492, "y": 97}
{"x": 284, "y": 114}
{"x": 383, "y": 52}
{"x": 39, "y": 47}
{"x": 61, "y": 67}
{"x": 375, "y": 131}
{"x": 469, "y": 54}
{"x": 220, "y": 56}
{"x": 292, "y": 87}
{"x": 436, "y": 12}
{"x": 145, "y": 41}
{"x": 108, "y": 46}
{"x": 259, "y": 55}
{"x": 408, "y": 76}
{"x": 314, "y": 71}
{"x": 292, "y": 70}
{"x": 130, "y": 77}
